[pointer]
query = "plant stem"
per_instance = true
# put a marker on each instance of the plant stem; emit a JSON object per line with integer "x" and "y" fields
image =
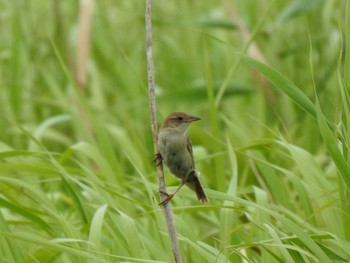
{"x": 169, "y": 218}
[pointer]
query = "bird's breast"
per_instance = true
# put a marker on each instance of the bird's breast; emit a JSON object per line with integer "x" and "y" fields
{"x": 173, "y": 148}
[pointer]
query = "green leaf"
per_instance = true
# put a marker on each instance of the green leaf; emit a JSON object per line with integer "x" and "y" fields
{"x": 332, "y": 146}
{"x": 96, "y": 226}
{"x": 298, "y": 7}
{"x": 25, "y": 212}
{"x": 283, "y": 84}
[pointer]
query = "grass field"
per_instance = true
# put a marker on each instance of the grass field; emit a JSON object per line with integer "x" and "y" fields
{"x": 270, "y": 80}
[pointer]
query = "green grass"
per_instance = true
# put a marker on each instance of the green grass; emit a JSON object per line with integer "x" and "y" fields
{"x": 77, "y": 182}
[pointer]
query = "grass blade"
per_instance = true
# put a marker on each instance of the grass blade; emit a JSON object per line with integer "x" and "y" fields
{"x": 332, "y": 147}
{"x": 283, "y": 84}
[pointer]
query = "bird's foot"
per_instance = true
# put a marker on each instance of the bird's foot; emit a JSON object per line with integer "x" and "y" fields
{"x": 158, "y": 159}
{"x": 167, "y": 199}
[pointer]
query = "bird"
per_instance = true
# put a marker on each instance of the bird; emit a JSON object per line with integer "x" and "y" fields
{"x": 175, "y": 149}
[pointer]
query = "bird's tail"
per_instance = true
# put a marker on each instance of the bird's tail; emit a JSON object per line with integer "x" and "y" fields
{"x": 194, "y": 184}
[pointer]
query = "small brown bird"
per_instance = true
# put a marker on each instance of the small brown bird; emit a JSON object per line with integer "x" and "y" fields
{"x": 176, "y": 150}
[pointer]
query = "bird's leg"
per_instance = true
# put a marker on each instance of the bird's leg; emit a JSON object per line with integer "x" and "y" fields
{"x": 170, "y": 196}
{"x": 158, "y": 158}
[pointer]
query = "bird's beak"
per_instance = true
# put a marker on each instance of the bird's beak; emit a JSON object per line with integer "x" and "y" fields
{"x": 193, "y": 118}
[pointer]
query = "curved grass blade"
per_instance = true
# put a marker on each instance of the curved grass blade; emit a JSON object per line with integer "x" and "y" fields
{"x": 283, "y": 84}
{"x": 332, "y": 147}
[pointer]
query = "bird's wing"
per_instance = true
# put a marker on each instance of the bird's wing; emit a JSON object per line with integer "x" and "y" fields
{"x": 189, "y": 148}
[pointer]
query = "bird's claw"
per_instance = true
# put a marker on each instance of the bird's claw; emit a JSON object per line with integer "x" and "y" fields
{"x": 167, "y": 199}
{"x": 158, "y": 159}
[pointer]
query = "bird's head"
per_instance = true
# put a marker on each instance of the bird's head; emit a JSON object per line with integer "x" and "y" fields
{"x": 179, "y": 121}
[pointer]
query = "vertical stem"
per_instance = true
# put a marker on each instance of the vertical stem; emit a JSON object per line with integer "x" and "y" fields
{"x": 214, "y": 123}
{"x": 82, "y": 50}
{"x": 347, "y": 45}
{"x": 152, "y": 103}
{"x": 84, "y": 27}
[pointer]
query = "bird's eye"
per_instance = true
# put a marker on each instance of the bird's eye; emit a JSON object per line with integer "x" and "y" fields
{"x": 180, "y": 118}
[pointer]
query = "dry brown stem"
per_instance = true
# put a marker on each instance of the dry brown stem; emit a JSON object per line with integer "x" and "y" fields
{"x": 169, "y": 218}
{"x": 83, "y": 45}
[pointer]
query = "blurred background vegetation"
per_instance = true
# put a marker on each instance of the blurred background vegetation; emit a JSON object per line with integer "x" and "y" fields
{"x": 77, "y": 182}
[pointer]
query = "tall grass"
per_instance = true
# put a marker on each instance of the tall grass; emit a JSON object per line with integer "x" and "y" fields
{"x": 272, "y": 149}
